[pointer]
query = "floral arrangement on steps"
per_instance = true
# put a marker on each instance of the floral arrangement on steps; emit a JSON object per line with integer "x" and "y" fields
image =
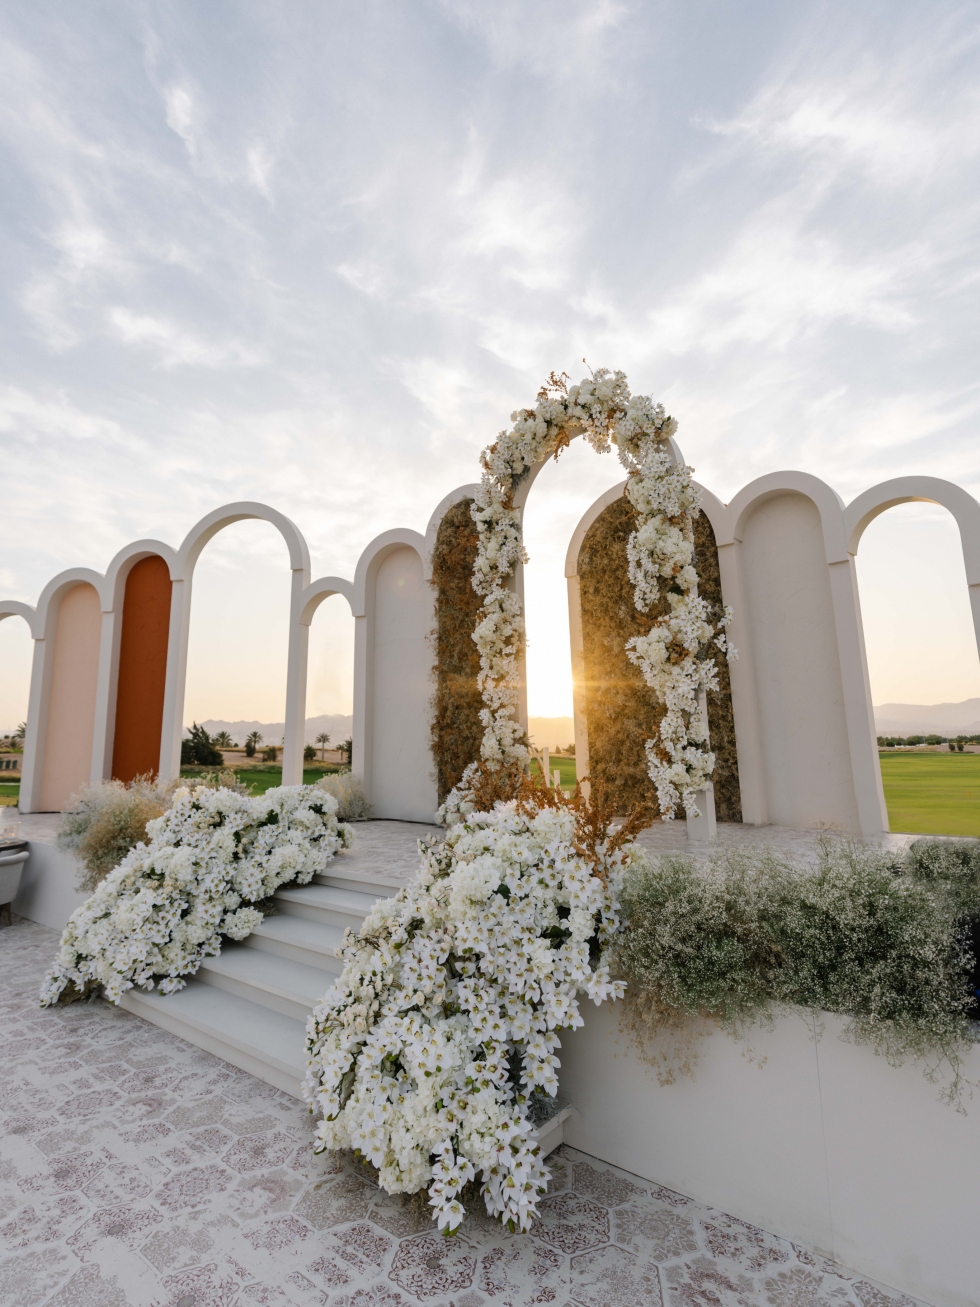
{"x": 211, "y": 857}
{"x": 427, "y": 1054}
{"x": 674, "y": 656}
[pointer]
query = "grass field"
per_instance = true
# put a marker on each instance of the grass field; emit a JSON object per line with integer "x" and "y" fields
{"x": 9, "y": 790}
{"x": 564, "y": 765}
{"x": 259, "y": 780}
{"x": 932, "y": 793}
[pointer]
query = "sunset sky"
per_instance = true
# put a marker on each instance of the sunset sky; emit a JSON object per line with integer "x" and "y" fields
{"x": 315, "y": 255}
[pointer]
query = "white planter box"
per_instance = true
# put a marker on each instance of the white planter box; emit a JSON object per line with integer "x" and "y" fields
{"x": 824, "y": 1144}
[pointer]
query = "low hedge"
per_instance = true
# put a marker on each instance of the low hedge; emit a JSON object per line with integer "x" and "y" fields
{"x": 887, "y": 942}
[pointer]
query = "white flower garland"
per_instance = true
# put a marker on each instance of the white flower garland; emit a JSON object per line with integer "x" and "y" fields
{"x": 167, "y": 905}
{"x": 425, "y": 1054}
{"x": 672, "y": 656}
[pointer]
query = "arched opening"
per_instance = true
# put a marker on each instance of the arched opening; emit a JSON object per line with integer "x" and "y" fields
{"x": 918, "y": 627}
{"x": 142, "y": 676}
{"x": 561, "y": 494}
{"x": 238, "y": 636}
{"x": 16, "y": 654}
{"x": 72, "y": 675}
{"x": 330, "y": 678}
{"x": 923, "y": 666}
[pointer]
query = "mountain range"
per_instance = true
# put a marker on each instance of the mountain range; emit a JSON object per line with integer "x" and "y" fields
{"x": 928, "y": 718}
{"x": 337, "y": 726}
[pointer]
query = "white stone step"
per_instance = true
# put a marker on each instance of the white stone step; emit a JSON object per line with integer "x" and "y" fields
{"x": 327, "y": 904}
{"x": 342, "y": 875}
{"x": 249, "y": 1005}
{"x": 265, "y": 1043}
{"x": 313, "y": 943}
{"x": 279, "y": 983}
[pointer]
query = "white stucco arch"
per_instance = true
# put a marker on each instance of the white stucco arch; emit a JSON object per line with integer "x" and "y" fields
{"x": 821, "y": 613}
{"x": 15, "y": 608}
{"x": 394, "y": 613}
{"x": 182, "y": 573}
{"x": 861, "y": 512}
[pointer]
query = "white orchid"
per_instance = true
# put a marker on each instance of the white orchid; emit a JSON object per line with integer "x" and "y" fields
{"x": 425, "y": 1054}
{"x": 165, "y": 908}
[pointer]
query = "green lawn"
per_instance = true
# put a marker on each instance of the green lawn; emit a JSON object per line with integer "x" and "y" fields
{"x": 258, "y": 779}
{"x": 932, "y": 793}
{"x": 564, "y": 765}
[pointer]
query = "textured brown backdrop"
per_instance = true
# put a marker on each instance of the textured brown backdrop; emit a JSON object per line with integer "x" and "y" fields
{"x": 622, "y": 712}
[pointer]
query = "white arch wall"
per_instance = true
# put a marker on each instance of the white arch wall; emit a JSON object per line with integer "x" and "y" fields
{"x": 394, "y": 612}
{"x": 797, "y": 666}
{"x": 801, "y": 695}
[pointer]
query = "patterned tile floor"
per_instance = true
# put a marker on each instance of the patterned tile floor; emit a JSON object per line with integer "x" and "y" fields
{"x": 138, "y": 1170}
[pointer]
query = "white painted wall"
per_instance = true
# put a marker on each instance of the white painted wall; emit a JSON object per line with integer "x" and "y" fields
{"x": 821, "y": 1142}
{"x": 800, "y": 692}
{"x": 402, "y": 775}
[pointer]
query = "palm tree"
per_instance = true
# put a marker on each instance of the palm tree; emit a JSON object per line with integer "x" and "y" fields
{"x": 223, "y": 740}
{"x": 323, "y": 739}
{"x": 251, "y": 742}
{"x": 20, "y": 732}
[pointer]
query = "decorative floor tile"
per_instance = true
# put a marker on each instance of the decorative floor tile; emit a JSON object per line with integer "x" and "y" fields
{"x": 138, "y": 1171}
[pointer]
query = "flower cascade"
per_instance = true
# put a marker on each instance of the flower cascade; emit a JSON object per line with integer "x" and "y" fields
{"x": 211, "y": 856}
{"x": 674, "y": 656}
{"x": 426, "y": 1055}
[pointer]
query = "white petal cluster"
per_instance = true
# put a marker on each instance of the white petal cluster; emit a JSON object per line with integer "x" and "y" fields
{"x": 445, "y": 1019}
{"x": 165, "y": 908}
{"x": 673, "y": 657}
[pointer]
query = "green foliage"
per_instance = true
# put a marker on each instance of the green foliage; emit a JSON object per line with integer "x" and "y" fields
{"x": 198, "y": 749}
{"x": 884, "y": 943}
{"x": 309, "y": 753}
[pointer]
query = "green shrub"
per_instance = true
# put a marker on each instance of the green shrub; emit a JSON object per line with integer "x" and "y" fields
{"x": 198, "y": 749}
{"x": 883, "y": 942}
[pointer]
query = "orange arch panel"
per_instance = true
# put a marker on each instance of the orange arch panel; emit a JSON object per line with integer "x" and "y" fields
{"x": 142, "y": 670}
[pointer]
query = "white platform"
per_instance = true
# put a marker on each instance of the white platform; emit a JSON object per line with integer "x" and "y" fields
{"x": 819, "y": 1141}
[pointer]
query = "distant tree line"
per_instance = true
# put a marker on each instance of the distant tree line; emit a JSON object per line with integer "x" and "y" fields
{"x": 955, "y": 742}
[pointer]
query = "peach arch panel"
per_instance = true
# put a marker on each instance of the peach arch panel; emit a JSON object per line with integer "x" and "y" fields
{"x": 142, "y": 669}
{"x": 71, "y": 701}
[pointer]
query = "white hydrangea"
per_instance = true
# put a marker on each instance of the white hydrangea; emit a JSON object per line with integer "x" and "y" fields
{"x": 445, "y": 1019}
{"x": 673, "y": 656}
{"x": 167, "y": 905}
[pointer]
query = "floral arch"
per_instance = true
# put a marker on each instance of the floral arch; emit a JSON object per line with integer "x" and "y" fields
{"x": 674, "y": 656}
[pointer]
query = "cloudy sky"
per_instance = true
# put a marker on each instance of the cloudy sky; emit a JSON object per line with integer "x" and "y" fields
{"x": 315, "y": 254}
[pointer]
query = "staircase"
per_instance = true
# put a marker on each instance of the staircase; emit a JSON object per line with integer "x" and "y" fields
{"x": 249, "y": 1005}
